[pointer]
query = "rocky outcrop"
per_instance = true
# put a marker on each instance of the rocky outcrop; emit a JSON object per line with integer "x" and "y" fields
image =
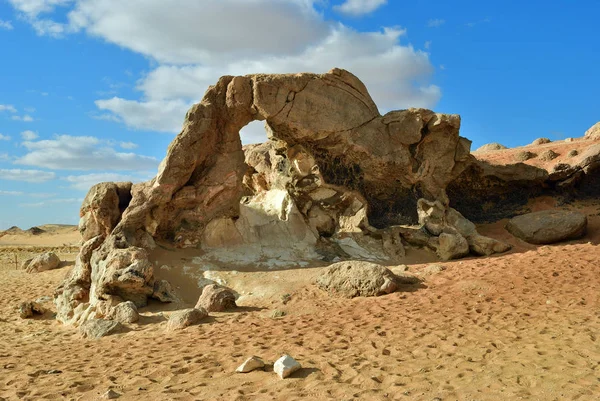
{"x": 361, "y": 279}
{"x": 43, "y": 262}
{"x": 334, "y": 180}
{"x": 593, "y": 132}
{"x": 102, "y": 208}
{"x": 548, "y": 226}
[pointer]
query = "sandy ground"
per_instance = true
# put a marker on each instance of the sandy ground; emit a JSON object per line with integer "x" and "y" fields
{"x": 522, "y": 325}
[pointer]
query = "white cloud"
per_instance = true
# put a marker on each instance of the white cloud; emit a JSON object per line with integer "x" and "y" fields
{"x": 165, "y": 116}
{"x": 4, "y": 156}
{"x": 33, "y": 8}
{"x": 193, "y": 50}
{"x": 359, "y": 7}
{"x": 33, "y": 195}
{"x": 66, "y": 152}
{"x": 11, "y": 193}
{"x": 52, "y": 202}
{"x": 29, "y": 135}
{"x": 4, "y": 137}
{"x": 8, "y": 107}
{"x": 7, "y": 25}
{"x": 128, "y": 145}
{"x": 86, "y": 181}
{"x": 26, "y": 118}
{"x": 34, "y": 176}
{"x": 202, "y": 31}
{"x": 435, "y": 23}
{"x": 427, "y": 45}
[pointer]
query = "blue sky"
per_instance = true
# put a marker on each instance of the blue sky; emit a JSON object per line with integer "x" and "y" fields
{"x": 95, "y": 90}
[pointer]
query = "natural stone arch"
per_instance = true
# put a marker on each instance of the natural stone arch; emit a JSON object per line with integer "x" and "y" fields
{"x": 329, "y": 131}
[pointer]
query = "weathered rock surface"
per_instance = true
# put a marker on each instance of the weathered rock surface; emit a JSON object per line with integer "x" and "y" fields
{"x": 29, "y": 309}
{"x": 97, "y": 328}
{"x": 216, "y": 298}
{"x": 184, "y": 318}
{"x": 490, "y": 147}
{"x": 452, "y": 246}
{"x": 102, "y": 208}
{"x": 360, "y": 279}
{"x": 540, "y": 141}
{"x": 163, "y": 291}
{"x": 548, "y": 226}
{"x": 593, "y": 132}
{"x": 285, "y": 366}
{"x": 124, "y": 313}
{"x": 45, "y": 261}
{"x": 251, "y": 364}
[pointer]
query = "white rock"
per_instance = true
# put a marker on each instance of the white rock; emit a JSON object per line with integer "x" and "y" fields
{"x": 285, "y": 366}
{"x": 251, "y": 364}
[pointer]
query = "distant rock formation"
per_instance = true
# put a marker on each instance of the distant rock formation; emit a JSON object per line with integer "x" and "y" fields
{"x": 490, "y": 147}
{"x": 593, "y": 132}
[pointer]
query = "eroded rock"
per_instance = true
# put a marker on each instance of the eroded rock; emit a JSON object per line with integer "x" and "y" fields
{"x": 548, "y": 226}
{"x": 216, "y": 298}
{"x": 251, "y": 364}
{"x": 185, "y": 318}
{"x": 97, "y": 328}
{"x": 29, "y": 309}
{"x": 359, "y": 279}
{"x": 286, "y": 366}
{"x": 45, "y": 261}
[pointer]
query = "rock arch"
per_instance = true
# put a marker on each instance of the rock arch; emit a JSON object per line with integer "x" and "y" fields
{"x": 336, "y": 162}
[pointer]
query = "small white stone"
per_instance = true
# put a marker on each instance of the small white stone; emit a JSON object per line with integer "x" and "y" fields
{"x": 285, "y": 366}
{"x": 251, "y": 364}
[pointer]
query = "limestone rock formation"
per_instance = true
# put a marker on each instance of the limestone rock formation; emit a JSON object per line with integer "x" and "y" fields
{"x": 216, "y": 298}
{"x": 336, "y": 179}
{"x": 43, "y": 262}
{"x": 360, "y": 279}
{"x": 548, "y": 226}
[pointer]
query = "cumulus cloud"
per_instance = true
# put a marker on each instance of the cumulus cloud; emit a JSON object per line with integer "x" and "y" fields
{"x": 32, "y": 11}
{"x": 191, "y": 56}
{"x": 359, "y": 7}
{"x": 29, "y": 135}
{"x": 86, "y": 181}
{"x": 8, "y": 107}
{"x": 4, "y": 137}
{"x": 6, "y": 25}
{"x": 33, "y": 176}
{"x": 66, "y": 152}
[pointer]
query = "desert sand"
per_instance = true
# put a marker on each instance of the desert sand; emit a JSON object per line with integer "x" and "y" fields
{"x": 520, "y": 325}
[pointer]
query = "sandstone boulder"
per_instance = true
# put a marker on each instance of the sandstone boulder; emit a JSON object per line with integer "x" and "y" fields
{"x": 548, "y": 155}
{"x": 548, "y": 226}
{"x": 216, "y": 298}
{"x": 163, "y": 291}
{"x": 359, "y": 279}
{"x": 45, "y": 261}
{"x": 184, "y": 318}
{"x": 97, "y": 328}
